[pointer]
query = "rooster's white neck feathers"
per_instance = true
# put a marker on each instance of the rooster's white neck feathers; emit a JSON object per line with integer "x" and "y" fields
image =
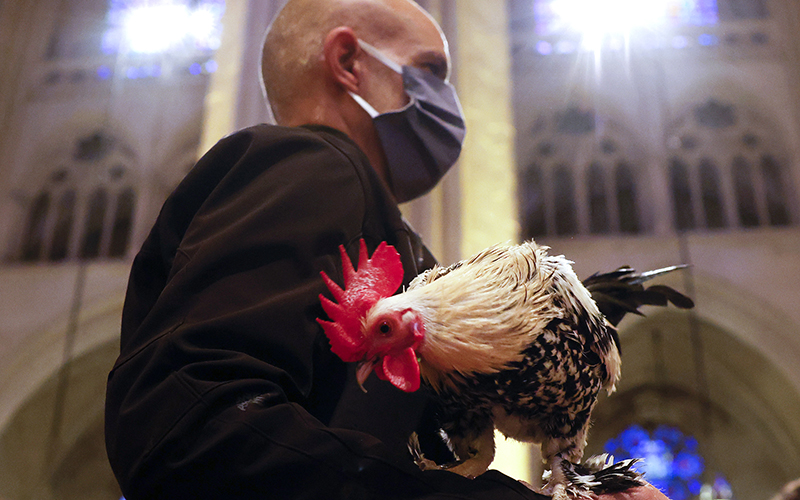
{"x": 494, "y": 285}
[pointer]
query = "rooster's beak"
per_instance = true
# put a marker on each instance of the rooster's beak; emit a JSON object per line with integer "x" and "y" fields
{"x": 363, "y": 370}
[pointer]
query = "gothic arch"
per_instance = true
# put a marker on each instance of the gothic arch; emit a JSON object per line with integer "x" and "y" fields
{"x": 728, "y": 167}
{"x": 41, "y": 459}
{"x": 80, "y": 201}
{"x": 40, "y": 354}
{"x": 745, "y": 416}
{"x": 580, "y": 172}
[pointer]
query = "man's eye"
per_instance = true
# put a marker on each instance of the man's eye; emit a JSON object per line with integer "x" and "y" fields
{"x": 436, "y": 70}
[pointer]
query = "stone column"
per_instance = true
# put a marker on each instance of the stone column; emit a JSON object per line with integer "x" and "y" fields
{"x": 234, "y": 99}
{"x": 487, "y": 164}
{"x": 487, "y": 167}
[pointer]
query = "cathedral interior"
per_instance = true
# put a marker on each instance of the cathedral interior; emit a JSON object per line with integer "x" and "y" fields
{"x": 617, "y": 132}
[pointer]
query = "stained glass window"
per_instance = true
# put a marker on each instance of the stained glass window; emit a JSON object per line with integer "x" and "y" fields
{"x": 156, "y": 26}
{"x": 670, "y": 461}
{"x": 559, "y": 16}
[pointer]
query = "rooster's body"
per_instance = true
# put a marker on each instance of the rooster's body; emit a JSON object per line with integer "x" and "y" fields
{"x": 509, "y": 339}
{"x": 513, "y": 341}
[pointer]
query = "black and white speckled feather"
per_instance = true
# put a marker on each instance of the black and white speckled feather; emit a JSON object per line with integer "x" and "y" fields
{"x": 509, "y": 339}
{"x": 599, "y": 474}
{"x": 513, "y": 341}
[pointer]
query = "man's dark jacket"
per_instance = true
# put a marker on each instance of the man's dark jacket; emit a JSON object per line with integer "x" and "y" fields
{"x": 225, "y": 386}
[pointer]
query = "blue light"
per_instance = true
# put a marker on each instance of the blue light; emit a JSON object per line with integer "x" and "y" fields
{"x": 688, "y": 465}
{"x": 133, "y": 72}
{"x": 707, "y": 39}
{"x": 657, "y": 458}
{"x": 594, "y": 19}
{"x": 695, "y": 486}
{"x": 103, "y": 72}
{"x": 677, "y": 491}
{"x": 722, "y": 487}
{"x": 544, "y": 48}
{"x": 670, "y": 435}
{"x": 195, "y": 69}
{"x": 680, "y": 42}
{"x": 211, "y": 66}
{"x": 671, "y": 461}
{"x": 565, "y": 47}
{"x": 631, "y": 436}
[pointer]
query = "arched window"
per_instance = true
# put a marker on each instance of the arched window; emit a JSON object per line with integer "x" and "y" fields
{"x": 93, "y": 226}
{"x": 123, "y": 222}
{"x": 533, "y": 209}
{"x": 33, "y": 241}
{"x": 681, "y": 195}
{"x": 711, "y": 195}
{"x": 579, "y": 178}
{"x": 777, "y": 208}
{"x": 65, "y": 214}
{"x": 671, "y": 462}
{"x": 626, "y": 199}
{"x": 85, "y": 209}
{"x": 566, "y": 222}
{"x": 598, "y": 200}
{"x": 745, "y": 193}
{"x": 728, "y": 170}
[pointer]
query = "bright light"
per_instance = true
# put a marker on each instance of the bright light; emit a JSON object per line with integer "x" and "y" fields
{"x": 544, "y": 48}
{"x": 610, "y": 16}
{"x": 202, "y": 25}
{"x": 657, "y": 458}
{"x": 156, "y": 27}
{"x": 149, "y": 27}
{"x": 595, "y": 19}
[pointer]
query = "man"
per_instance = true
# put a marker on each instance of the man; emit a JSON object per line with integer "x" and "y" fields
{"x": 225, "y": 386}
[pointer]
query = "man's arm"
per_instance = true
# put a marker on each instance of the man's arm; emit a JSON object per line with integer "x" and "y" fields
{"x": 217, "y": 390}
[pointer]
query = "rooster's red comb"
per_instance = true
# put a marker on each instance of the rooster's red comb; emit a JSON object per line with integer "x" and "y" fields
{"x": 376, "y": 278}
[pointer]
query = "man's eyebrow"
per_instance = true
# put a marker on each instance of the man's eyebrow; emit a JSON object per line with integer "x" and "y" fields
{"x": 435, "y": 61}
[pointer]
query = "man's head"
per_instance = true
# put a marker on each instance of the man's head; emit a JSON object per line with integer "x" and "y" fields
{"x": 312, "y": 62}
{"x": 300, "y": 37}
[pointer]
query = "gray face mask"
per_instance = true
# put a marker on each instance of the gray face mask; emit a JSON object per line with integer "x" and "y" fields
{"x": 423, "y": 139}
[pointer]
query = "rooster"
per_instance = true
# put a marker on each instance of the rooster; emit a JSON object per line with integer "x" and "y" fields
{"x": 509, "y": 339}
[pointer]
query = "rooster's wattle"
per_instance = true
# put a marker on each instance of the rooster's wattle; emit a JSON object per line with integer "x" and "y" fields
{"x": 508, "y": 339}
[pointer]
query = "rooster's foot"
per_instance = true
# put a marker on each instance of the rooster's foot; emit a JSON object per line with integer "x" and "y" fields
{"x": 419, "y": 459}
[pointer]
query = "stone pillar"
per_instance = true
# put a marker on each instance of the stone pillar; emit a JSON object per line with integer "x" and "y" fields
{"x": 219, "y": 113}
{"x": 487, "y": 167}
{"x": 487, "y": 164}
{"x": 234, "y": 99}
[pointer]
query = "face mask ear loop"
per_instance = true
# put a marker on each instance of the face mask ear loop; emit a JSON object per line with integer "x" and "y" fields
{"x": 377, "y": 54}
{"x": 364, "y": 104}
{"x": 380, "y": 56}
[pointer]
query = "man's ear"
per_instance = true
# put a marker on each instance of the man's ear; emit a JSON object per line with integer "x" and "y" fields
{"x": 341, "y": 52}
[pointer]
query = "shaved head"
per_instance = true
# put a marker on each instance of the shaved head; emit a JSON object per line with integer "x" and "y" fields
{"x": 293, "y": 47}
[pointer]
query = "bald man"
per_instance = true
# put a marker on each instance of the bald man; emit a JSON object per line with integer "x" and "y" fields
{"x": 225, "y": 386}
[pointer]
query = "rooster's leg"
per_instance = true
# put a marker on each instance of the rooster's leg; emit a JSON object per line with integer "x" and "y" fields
{"x": 416, "y": 453}
{"x": 475, "y": 453}
{"x": 557, "y": 485}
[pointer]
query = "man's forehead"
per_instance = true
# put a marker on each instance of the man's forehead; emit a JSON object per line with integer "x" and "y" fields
{"x": 423, "y": 39}
{"x": 420, "y": 27}
{"x": 417, "y": 38}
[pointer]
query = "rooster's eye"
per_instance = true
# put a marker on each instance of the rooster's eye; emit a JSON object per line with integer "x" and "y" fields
{"x": 385, "y": 328}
